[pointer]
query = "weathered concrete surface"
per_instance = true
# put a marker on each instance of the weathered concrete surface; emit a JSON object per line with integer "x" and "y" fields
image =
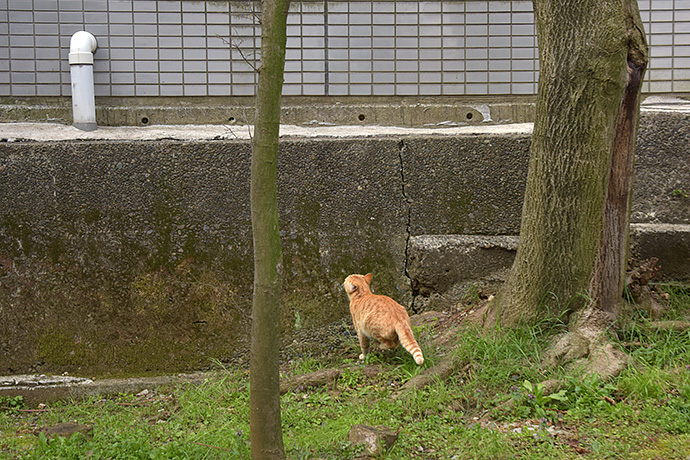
{"x": 324, "y": 111}
{"x": 128, "y": 250}
{"x": 136, "y": 256}
{"x": 662, "y": 167}
{"x": 670, "y": 243}
{"x": 444, "y": 268}
{"x": 121, "y": 257}
{"x": 470, "y": 186}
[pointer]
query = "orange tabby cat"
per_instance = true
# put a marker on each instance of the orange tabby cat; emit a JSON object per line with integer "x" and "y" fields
{"x": 379, "y": 318}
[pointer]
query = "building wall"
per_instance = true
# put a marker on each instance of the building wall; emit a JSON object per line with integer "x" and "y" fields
{"x": 335, "y": 48}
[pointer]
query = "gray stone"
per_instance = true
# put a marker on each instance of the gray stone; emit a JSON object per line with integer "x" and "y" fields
{"x": 375, "y": 440}
{"x": 66, "y": 430}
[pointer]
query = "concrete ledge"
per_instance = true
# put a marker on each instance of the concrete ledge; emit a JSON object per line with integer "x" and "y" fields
{"x": 36, "y": 389}
{"x": 324, "y": 111}
{"x": 55, "y": 132}
{"x": 317, "y": 111}
{"x": 443, "y": 268}
{"x": 670, "y": 243}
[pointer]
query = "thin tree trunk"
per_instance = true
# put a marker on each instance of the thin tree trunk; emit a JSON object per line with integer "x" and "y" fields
{"x": 265, "y": 421}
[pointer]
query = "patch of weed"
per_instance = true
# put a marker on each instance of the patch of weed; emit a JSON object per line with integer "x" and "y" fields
{"x": 493, "y": 407}
{"x": 11, "y": 404}
{"x": 534, "y": 402}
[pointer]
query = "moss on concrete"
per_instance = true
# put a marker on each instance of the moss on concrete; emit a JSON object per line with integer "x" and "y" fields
{"x": 157, "y": 353}
{"x": 677, "y": 446}
{"x": 73, "y": 310}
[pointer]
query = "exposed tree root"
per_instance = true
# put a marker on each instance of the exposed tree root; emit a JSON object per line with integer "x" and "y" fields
{"x": 587, "y": 347}
{"x": 606, "y": 361}
{"x": 442, "y": 370}
{"x": 313, "y": 379}
{"x": 575, "y": 350}
{"x": 450, "y": 364}
{"x": 677, "y": 326}
{"x": 323, "y": 377}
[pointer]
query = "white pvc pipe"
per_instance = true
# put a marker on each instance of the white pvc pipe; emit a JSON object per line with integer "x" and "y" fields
{"x": 81, "y": 48}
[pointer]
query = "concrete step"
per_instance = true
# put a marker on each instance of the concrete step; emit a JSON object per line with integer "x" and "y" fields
{"x": 444, "y": 269}
{"x": 38, "y": 388}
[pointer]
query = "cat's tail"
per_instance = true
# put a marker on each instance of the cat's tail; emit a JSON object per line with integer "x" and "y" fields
{"x": 408, "y": 342}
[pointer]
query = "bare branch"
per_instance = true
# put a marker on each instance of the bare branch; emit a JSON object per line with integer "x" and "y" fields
{"x": 237, "y": 48}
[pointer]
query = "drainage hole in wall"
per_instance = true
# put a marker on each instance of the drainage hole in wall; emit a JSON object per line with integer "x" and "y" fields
{"x": 469, "y": 115}
{"x": 144, "y": 120}
{"x": 361, "y": 117}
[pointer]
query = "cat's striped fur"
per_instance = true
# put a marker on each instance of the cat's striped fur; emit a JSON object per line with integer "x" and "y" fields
{"x": 379, "y": 318}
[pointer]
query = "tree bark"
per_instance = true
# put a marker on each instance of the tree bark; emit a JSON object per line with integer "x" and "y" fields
{"x": 265, "y": 422}
{"x": 574, "y": 229}
{"x": 608, "y": 279}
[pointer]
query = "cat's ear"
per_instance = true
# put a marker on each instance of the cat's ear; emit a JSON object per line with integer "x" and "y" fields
{"x": 368, "y": 278}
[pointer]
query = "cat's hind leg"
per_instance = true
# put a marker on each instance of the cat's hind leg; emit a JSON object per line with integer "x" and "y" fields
{"x": 364, "y": 344}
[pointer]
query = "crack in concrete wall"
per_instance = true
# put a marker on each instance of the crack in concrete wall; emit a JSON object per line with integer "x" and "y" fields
{"x": 402, "y": 148}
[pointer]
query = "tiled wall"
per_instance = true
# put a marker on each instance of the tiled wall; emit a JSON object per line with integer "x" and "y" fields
{"x": 355, "y": 48}
{"x": 667, "y": 23}
{"x": 414, "y": 48}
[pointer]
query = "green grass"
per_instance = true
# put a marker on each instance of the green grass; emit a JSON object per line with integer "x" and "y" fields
{"x": 492, "y": 409}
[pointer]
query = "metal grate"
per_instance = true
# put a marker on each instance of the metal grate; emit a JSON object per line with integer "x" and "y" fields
{"x": 335, "y": 48}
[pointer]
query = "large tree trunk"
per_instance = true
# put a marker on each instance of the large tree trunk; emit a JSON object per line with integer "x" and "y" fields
{"x": 265, "y": 422}
{"x": 574, "y": 230}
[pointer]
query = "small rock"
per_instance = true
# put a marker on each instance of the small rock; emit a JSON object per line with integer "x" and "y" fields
{"x": 375, "y": 439}
{"x": 67, "y": 430}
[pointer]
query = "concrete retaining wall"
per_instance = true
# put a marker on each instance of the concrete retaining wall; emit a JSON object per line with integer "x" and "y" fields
{"x": 134, "y": 256}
